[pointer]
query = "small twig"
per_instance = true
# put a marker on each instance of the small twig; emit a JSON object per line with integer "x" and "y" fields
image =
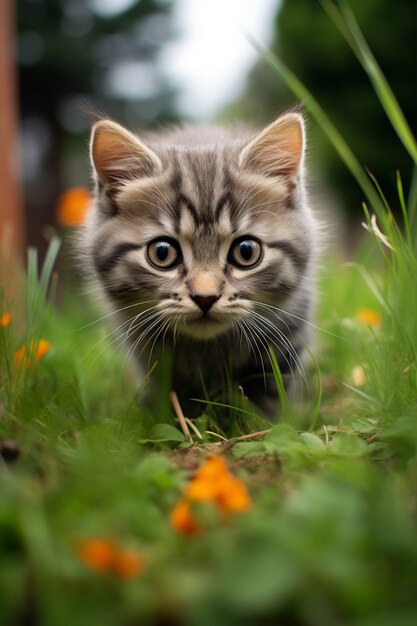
{"x": 180, "y": 415}
{"x": 226, "y": 445}
{"x": 210, "y": 432}
{"x": 193, "y": 427}
{"x": 326, "y": 433}
{"x": 258, "y": 435}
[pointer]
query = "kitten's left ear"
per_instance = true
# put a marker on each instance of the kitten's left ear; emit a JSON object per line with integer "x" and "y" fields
{"x": 277, "y": 150}
{"x": 117, "y": 154}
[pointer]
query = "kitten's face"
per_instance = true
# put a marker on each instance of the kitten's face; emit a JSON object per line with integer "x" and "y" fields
{"x": 202, "y": 234}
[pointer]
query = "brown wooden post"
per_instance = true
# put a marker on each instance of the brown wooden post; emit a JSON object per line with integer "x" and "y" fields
{"x": 12, "y": 225}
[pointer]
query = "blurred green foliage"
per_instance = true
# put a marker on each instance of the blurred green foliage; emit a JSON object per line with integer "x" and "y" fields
{"x": 331, "y": 539}
{"x": 77, "y": 59}
{"x": 306, "y": 39}
{"x": 68, "y": 49}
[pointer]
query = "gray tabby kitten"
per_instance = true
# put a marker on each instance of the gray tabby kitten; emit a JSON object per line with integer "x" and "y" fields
{"x": 203, "y": 241}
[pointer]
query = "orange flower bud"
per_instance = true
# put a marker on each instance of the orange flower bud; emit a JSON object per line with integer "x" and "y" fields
{"x": 35, "y": 351}
{"x": 358, "y": 376}
{"x": 182, "y": 519}
{"x": 212, "y": 468}
{"x": 212, "y": 483}
{"x": 105, "y": 556}
{"x": 42, "y": 348}
{"x": 234, "y": 498}
{"x": 201, "y": 489}
{"x": 18, "y": 357}
{"x": 127, "y": 564}
{"x": 98, "y": 554}
{"x": 5, "y": 319}
{"x": 369, "y": 317}
{"x": 73, "y": 206}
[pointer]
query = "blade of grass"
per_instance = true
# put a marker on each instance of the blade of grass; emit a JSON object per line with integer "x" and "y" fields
{"x": 345, "y": 21}
{"x": 48, "y": 265}
{"x": 317, "y": 401}
{"x": 334, "y": 136}
{"x": 389, "y": 310}
{"x": 403, "y": 208}
{"x": 226, "y": 406}
{"x": 364, "y": 396}
{"x": 37, "y": 286}
{"x": 279, "y": 383}
{"x": 32, "y": 283}
{"x": 412, "y": 206}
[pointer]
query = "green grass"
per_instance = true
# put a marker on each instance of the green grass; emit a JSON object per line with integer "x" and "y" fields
{"x": 331, "y": 538}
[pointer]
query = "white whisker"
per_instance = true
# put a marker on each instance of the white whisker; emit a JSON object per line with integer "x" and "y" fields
{"x": 284, "y": 340}
{"x": 297, "y": 317}
{"x": 250, "y": 330}
{"x": 100, "y": 319}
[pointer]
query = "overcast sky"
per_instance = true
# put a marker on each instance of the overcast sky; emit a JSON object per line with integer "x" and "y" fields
{"x": 210, "y": 58}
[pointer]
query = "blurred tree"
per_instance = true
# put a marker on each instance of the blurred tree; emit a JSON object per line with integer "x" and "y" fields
{"x": 102, "y": 53}
{"x": 11, "y": 217}
{"x": 306, "y": 39}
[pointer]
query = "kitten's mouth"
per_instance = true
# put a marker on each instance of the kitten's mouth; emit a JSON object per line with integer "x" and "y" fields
{"x": 205, "y": 318}
{"x": 205, "y": 326}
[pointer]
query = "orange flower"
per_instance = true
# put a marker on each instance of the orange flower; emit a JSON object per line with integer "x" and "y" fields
{"x": 182, "y": 518}
{"x": 205, "y": 485}
{"x": 368, "y": 316}
{"x": 98, "y": 554}
{"x": 5, "y": 319}
{"x": 214, "y": 467}
{"x": 233, "y": 496}
{"x": 212, "y": 483}
{"x": 36, "y": 352}
{"x": 105, "y": 556}
{"x": 127, "y": 564}
{"x": 42, "y": 348}
{"x": 215, "y": 483}
{"x": 73, "y": 206}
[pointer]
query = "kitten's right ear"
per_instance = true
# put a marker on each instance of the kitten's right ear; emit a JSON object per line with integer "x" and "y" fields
{"x": 118, "y": 155}
{"x": 278, "y": 150}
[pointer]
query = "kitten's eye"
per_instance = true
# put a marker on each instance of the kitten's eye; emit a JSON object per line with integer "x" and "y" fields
{"x": 164, "y": 253}
{"x": 245, "y": 253}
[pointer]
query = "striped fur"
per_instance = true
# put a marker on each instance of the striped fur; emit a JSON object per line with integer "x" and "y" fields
{"x": 205, "y": 187}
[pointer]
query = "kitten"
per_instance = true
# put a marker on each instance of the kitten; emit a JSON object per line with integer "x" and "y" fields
{"x": 203, "y": 241}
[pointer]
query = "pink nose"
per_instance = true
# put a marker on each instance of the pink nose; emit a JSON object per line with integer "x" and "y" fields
{"x": 205, "y": 302}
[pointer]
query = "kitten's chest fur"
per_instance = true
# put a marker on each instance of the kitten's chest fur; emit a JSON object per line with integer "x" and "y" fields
{"x": 203, "y": 242}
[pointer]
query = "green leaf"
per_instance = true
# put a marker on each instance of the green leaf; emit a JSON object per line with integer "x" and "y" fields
{"x": 313, "y": 443}
{"x": 283, "y": 433}
{"x": 344, "y": 444}
{"x": 161, "y": 433}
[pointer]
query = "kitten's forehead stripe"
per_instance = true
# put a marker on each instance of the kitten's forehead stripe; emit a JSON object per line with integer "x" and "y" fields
{"x": 190, "y": 207}
{"x": 201, "y": 180}
{"x": 232, "y": 191}
{"x": 199, "y": 183}
{"x": 175, "y": 183}
{"x": 225, "y": 199}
